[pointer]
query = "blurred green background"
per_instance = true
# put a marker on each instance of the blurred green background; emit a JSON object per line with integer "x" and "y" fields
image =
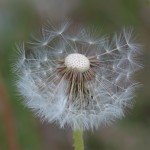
{"x": 19, "y": 128}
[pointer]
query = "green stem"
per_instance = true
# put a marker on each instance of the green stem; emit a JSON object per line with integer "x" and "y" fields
{"x": 78, "y": 140}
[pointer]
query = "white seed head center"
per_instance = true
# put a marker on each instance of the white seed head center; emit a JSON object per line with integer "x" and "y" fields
{"x": 77, "y": 61}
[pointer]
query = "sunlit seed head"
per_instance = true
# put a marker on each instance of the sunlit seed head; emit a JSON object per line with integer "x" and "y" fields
{"x": 77, "y": 79}
{"x": 77, "y": 61}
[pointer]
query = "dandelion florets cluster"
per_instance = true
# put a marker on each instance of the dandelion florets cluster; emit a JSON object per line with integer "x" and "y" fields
{"x": 77, "y": 79}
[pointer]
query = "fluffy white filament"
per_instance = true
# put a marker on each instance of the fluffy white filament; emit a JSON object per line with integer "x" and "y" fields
{"x": 109, "y": 92}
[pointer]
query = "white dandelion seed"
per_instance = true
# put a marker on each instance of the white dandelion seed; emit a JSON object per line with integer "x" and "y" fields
{"x": 77, "y": 80}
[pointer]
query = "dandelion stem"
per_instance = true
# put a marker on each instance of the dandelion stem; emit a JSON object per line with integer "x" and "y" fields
{"x": 78, "y": 140}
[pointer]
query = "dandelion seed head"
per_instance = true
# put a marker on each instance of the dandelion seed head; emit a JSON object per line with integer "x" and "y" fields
{"x": 77, "y": 61}
{"x": 75, "y": 79}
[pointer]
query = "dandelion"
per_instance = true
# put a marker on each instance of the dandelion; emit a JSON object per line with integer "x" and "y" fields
{"x": 77, "y": 79}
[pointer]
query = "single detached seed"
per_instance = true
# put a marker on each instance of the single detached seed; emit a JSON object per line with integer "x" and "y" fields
{"x": 77, "y": 61}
